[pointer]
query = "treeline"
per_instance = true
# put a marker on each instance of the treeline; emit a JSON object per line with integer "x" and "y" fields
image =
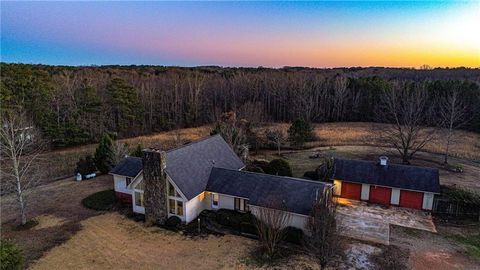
{"x": 75, "y": 105}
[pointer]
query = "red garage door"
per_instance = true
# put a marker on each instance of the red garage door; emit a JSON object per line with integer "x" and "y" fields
{"x": 380, "y": 195}
{"x": 351, "y": 190}
{"x": 411, "y": 199}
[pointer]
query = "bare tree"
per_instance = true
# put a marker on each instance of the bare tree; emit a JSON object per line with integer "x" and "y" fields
{"x": 234, "y": 132}
{"x": 322, "y": 240}
{"x": 406, "y": 107}
{"x": 340, "y": 97}
{"x": 453, "y": 114}
{"x": 271, "y": 220}
{"x": 120, "y": 151}
{"x": 21, "y": 148}
{"x": 276, "y": 136}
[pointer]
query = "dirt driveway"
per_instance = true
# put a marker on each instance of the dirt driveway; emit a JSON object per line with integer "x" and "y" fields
{"x": 364, "y": 221}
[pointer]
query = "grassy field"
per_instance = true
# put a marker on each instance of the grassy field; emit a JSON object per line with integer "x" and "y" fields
{"x": 62, "y": 162}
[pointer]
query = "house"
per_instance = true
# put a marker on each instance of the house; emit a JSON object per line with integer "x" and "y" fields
{"x": 207, "y": 174}
{"x": 386, "y": 184}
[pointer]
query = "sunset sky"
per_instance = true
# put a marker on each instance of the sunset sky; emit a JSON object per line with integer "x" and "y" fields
{"x": 270, "y": 34}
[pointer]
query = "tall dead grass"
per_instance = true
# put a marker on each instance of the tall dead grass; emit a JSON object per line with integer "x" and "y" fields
{"x": 467, "y": 144}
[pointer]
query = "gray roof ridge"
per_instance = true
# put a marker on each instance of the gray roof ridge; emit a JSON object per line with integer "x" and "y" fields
{"x": 390, "y": 164}
{"x": 192, "y": 143}
{"x": 277, "y": 176}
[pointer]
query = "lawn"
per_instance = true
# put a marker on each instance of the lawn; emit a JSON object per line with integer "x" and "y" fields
{"x": 471, "y": 244}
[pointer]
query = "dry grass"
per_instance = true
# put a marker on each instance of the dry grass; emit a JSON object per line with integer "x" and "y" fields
{"x": 63, "y": 161}
{"x": 466, "y": 145}
{"x": 58, "y": 209}
{"x": 112, "y": 241}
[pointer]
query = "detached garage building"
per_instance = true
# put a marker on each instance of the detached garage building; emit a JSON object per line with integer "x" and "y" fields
{"x": 386, "y": 184}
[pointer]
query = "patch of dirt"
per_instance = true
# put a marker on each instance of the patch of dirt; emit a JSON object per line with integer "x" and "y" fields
{"x": 47, "y": 221}
{"x": 432, "y": 250}
{"x": 111, "y": 241}
{"x": 358, "y": 256}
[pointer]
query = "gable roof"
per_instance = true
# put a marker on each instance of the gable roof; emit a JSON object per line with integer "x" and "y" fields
{"x": 129, "y": 166}
{"x": 189, "y": 166}
{"x": 391, "y": 175}
{"x": 296, "y": 194}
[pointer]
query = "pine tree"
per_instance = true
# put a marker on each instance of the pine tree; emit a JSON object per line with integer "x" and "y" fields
{"x": 138, "y": 151}
{"x": 125, "y": 108}
{"x": 104, "y": 154}
{"x": 300, "y": 132}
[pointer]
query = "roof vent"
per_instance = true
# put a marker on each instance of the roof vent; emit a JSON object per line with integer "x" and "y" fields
{"x": 383, "y": 160}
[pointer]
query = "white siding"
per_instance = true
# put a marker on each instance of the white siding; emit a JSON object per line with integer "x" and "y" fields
{"x": 120, "y": 184}
{"x": 226, "y": 202}
{"x": 337, "y": 189}
{"x": 395, "y": 199}
{"x": 427, "y": 201}
{"x": 195, "y": 206}
{"x": 296, "y": 220}
{"x": 365, "y": 192}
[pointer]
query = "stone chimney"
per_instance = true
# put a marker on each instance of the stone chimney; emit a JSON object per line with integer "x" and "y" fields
{"x": 155, "y": 190}
{"x": 383, "y": 160}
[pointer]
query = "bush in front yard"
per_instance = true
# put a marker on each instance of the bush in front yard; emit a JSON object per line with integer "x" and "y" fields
{"x": 100, "y": 201}
{"x": 293, "y": 235}
{"x": 173, "y": 222}
{"x": 232, "y": 218}
{"x": 280, "y": 167}
{"x": 11, "y": 257}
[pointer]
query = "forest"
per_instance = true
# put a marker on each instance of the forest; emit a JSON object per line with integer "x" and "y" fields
{"x": 76, "y": 105}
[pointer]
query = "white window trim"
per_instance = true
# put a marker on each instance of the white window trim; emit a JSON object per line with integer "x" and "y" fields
{"x": 134, "y": 193}
{"x": 176, "y": 206}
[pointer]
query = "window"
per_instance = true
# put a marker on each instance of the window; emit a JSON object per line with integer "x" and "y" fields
{"x": 171, "y": 205}
{"x": 139, "y": 199}
{"x": 175, "y": 207}
{"x": 241, "y": 205}
{"x": 237, "y": 204}
{"x": 172, "y": 191}
{"x": 128, "y": 180}
{"x": 179, "y": 208}
{"x": 214, "y": 200}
